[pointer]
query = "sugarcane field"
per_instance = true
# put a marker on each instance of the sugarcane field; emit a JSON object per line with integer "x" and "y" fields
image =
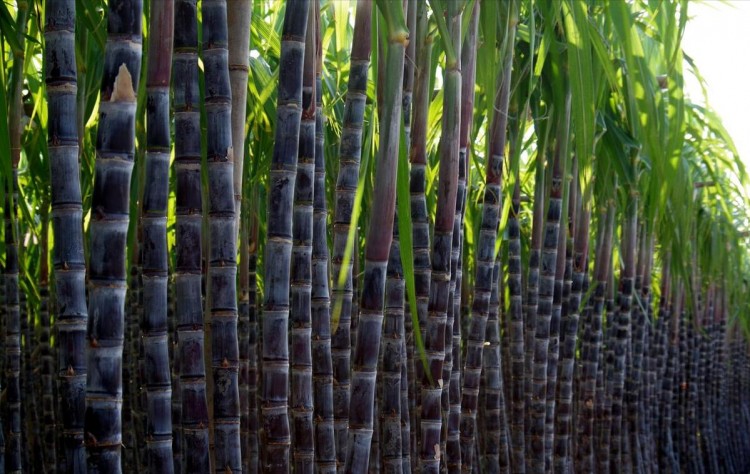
{"x": 365, "y": 236}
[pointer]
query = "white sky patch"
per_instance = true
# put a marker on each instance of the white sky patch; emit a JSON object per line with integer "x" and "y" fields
{"x": 717, "y": 37}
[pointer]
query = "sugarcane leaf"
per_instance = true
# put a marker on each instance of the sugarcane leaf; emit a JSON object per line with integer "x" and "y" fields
{"x": 341, "y": 22}
{"x": 8, "y": 28}
{"x": 581, "y": 78}
{"x": 451, "y": 55}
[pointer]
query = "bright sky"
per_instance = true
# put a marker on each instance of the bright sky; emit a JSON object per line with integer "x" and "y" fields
{"x": 717, "y": 37}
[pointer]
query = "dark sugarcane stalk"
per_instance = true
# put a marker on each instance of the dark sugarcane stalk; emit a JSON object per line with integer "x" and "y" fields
{"x": 616, "y": 377}
{"x": 634, "y": 380}
{"x": 392, "y": 359}
{"x": 357, "y": 292}
{"x": 238, "y": 24}
{"x": 485, "y": 258}
{"x": 694, "y": 455}
{"x": 109, "y": 227}
{"x": 374, "y": 464}
{"x": 580, "y": 221}
{"x": 408, "y": 387}
{"x": 301, "y": 395}
{"x": 67, "y": 215}
{"x": 176, "y": 403}
{"x": 553, "y": 350}
{"x": 646, "y": 416}
{"x": 516, "y": 336}
{"x": 30, "y": 403}
{"x": 542, "y": 331}
{"x": 46, "y": 358}
{"x": 680, "y": 383}
{"x": 531, "y": 300}
{"x": 417, "y": 188}
{"x": 18, "y": 435}
{"x": 243, "y": 339}
{"x": 591, "y": 346}
{"x": 140, "y": 403}
{"x": 452, "y": 390}
{"x": 188, "y": 241}
{"x": 439, "y": 294}
{"x": 667, "y": 461}
{"x": 350, "y": 152}
{"x": 379, "y": 236}
{"x": 133, "y": 416}
{"x": 238, "y": 30}
{"x": 325, "y": 439}
{"x": 158, "y": 381}
{"x": 406, "y": 405}
{"x": 252, "y": 341}
{"x": 282, "y": 178}
{"x": 606, "y": 366}
{"x": 14, "y": 461}
{"x": 661, "y": 338}
{"x": 495, "y": 439}
{"x": 451, "y": 397}
{"x": 649, "y": 409}
{"x": 222, "y": 249}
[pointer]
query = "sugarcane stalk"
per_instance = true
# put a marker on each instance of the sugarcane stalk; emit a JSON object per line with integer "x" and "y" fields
{"x": 580, "y": 219}
{"x": 485, "y": 257}
{"x": 301, "y": 395}
{"x": 532, "y": 299}
{"x": 418, "y": 203}
{"x": 108, "y": 228}
{"x": 408, "y": 436}
{"x": 591, "y": 345}
{"x": 282, "y": 179}
{"x": 238, "y": 30}
{"x": 453, "y": 389}
{"x": 46, "y": 358}
{"x": 350, "y": 152}
{"x": 252, "y": 338}
{"x": 392, "y": 358}
{"x": 323, "y": 381}
{"x": 14, "y": 460}
{"x": 378, "y": 242}
{"x": 494, "y": 419}
{"x": 188, "y": 241}
{"x": 616, "y": 384}
{"x": 222, "y": 249}
{"x": 439, "y": 299}
{"x": 67, "y": 216}
{"x": 553, "y": 350}
{"x": 154, "y": 224}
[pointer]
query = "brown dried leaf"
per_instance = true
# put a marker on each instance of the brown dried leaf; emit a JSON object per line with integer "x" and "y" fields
{"x": 123, "y": 88}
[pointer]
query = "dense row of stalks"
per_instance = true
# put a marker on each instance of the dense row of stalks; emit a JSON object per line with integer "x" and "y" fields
{"x": 479, "y": 236}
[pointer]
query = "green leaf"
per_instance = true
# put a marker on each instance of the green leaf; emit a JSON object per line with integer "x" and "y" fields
{"x": 581, "y": 78}
{"x": 451, "y": 55}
